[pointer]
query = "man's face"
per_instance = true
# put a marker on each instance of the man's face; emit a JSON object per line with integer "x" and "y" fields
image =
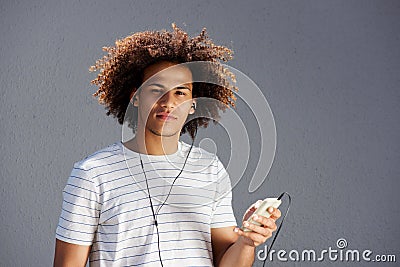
{"x": 165, "y": 99}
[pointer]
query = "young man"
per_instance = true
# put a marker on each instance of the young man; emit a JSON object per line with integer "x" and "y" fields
{"x": 154, "y": 200}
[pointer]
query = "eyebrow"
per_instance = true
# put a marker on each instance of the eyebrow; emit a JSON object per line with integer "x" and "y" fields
{"x": 162, "y": 86}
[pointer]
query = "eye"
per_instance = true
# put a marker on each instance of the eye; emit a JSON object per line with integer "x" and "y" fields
{"x": 155, "y": 91}
{"x": 180, "y": 93}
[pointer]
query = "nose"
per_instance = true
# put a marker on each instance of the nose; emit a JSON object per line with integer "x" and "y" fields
{"x": 167, "y": 100}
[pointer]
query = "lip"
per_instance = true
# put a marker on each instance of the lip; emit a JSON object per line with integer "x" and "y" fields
{"x": 165, "y": 116}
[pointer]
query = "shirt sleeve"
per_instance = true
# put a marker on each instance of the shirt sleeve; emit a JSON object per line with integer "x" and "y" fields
{"x": 223, "y": 215}
{"x": 80, "y": 208}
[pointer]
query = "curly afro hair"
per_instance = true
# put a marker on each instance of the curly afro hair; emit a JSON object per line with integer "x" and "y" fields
{"x": 121, "y": 72}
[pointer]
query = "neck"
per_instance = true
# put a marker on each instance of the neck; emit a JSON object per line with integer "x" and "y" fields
{"x": 146, "y": 142}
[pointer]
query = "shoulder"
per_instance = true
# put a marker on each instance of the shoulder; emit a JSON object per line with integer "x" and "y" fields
{"x": 99, "y": 158}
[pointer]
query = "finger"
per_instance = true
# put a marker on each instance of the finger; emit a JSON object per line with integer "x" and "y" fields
{"x": 264, "y": 231}
{"x": 255, "y": 237}
{"x": 275, "y": 213}
{"x": 264, "y": 221}
{"x": 258, "y": 228}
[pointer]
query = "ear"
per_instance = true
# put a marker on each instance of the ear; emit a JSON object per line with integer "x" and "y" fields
{"x": 193, "y": 107}
{"x": 134, "y": 98}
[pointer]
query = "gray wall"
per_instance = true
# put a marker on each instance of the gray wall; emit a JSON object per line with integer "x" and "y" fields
{"x": 329, "y": 69}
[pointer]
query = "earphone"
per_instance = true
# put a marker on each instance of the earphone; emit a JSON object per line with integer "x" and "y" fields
{"x": 280, "y": 226}
{"x": 151, "y": 202}
{"x": 156, "y": 213}
{"x": 158, "y": 210}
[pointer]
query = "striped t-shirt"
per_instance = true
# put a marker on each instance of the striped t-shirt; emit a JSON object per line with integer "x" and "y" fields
{"x": 106, "y": 205}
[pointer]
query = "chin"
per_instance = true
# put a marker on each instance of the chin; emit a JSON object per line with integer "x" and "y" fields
{"x": 164, "y": 133}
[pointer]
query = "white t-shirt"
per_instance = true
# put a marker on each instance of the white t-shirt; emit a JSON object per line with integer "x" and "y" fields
{"x": 106, "y": 205}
